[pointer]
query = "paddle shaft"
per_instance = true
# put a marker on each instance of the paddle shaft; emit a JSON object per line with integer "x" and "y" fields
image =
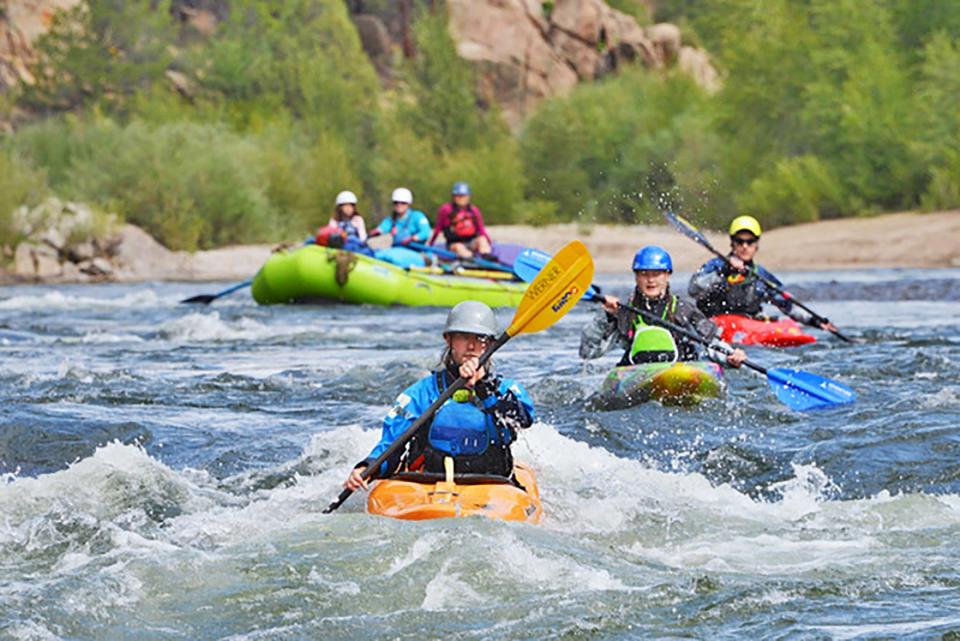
{"x": 446, "y": 253}
{"x": 695, "y": 234}
{"x": 692, "y": 335}
{"x": 206, "y": 299}
{"x": 401, "y": 441}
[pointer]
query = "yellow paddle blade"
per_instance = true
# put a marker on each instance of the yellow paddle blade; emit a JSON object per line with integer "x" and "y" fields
{"x": 555, "y": 291}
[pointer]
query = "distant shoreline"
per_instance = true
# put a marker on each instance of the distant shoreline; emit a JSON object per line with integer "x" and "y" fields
{"x": 890, "y": 240}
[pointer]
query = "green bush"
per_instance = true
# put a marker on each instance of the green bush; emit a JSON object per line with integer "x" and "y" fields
{"x": 795, "y": 190}
{"x": 614, "y": 151}
{"x": 443, "y": 107}
{"x": 190, "y": 185}
{"x": 492, "y": 167}
{"x": 101, "y": 51}
{"x": 943, "y": 190}
{"x": 20, "y": 185}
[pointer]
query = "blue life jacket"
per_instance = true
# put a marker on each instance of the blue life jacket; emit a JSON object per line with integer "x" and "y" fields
{"x": 462, "y": 428}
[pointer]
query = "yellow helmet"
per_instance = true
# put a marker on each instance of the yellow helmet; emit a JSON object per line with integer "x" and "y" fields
{"x": 746, "y": 223}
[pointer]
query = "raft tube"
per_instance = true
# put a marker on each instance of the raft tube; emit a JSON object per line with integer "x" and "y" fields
{"x": 316, "y": 274}
{"x": 682, "y": 383}
{"x": 417, "y": 497}
{"x": 744, "y": 330}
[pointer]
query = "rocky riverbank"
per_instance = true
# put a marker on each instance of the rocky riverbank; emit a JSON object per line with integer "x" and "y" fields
{"x": 128, "y": 254}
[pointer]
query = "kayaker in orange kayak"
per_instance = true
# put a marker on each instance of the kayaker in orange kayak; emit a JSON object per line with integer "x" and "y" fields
{"x": 735, "y": 285}
{"x": 475, "y": 427}
{"x": 616, "y": 326}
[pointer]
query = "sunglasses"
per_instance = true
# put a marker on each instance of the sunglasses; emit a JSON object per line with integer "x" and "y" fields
{"x": 744, "y": 241}
{"x": 400, "y": 202}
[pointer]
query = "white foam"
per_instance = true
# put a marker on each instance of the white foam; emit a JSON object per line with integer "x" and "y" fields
{"x": 945, "y": 397}
{"x": 447, "y": 591}
{"x": 56, "y": 300}
{"x": 199, "y": 327}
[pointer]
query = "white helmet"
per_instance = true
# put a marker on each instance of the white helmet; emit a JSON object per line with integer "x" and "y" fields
{"x": 402, "y": 195}
{"x": 346, "y": 197}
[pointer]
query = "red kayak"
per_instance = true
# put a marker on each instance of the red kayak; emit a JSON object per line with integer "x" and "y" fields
{"x": 743, "y": 330}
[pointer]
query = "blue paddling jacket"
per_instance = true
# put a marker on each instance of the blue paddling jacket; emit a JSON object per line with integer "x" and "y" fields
{"x": 413, "y": 226}
{"x": 476, "y": 430}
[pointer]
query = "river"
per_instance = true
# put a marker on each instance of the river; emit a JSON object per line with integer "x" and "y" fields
{"x": 163, "y": 469}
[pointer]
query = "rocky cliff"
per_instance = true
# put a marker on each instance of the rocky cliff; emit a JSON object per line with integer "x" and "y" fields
{"x": 524, "y": 50}
{"x": 527, "y": 50}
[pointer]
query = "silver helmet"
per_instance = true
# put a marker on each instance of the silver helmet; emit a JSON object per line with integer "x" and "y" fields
{"x": 471, "y": 317}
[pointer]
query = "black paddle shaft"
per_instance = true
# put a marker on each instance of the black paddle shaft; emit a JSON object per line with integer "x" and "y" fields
{"x": 700, "y": 238}
{"x": 401, "y": 441}
{"x": 656, "y": 320}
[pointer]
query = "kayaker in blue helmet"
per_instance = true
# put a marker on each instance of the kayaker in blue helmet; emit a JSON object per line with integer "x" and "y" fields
{"x": 642, "y": 342}
{"x": 406, "y": 224}
{"x": 475, "y": 427}
{"x": 461, "y": 223}
{"x": 732, "y": 286}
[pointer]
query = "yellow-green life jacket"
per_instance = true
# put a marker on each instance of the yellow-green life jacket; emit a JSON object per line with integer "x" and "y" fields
{"x": 652, "y": 343}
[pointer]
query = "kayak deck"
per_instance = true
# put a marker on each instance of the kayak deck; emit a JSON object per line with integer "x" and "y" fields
{"x": 418, "y": 497}
{"x": 743, "y": 330}
{"x": 681, "y": 383}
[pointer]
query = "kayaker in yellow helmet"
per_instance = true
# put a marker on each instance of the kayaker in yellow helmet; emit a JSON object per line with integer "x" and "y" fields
{"x": 475, "y": 427}
{"x": 642, "y": 342}
{"x": 735, "y": 285}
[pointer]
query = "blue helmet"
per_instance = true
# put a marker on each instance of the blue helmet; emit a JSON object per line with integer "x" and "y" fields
{"x": 653, "y": 258}
{"x": 460, "y": 189}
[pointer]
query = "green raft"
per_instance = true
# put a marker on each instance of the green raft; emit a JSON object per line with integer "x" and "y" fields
{"x": 682, "y": 383}
{"x": 314, "y": 274}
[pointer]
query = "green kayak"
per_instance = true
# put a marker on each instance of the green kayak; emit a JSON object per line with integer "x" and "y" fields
{"x": 683, "y": 383}
{"x": 316, "y": 274}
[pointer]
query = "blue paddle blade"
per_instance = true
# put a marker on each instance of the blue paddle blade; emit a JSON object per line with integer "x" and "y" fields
{"x": 530, "y": 261}
{"x": 805, "y": 391}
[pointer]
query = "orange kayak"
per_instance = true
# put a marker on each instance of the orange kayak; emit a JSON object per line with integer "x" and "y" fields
{"x": 744, "y": 330}
{"x": 416, "y": 496}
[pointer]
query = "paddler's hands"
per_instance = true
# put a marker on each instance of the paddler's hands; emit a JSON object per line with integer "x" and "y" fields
{"x": 736, "y": 358}
{"x": 737, "y": 264}
{"x": 355, "y": 481}
{"x": 828, "y": 326}
{"x": 471, "y": 370}
{"x": 610, "y": 304}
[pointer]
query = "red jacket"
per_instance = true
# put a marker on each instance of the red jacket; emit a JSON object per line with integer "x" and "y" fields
{"x": 445, "y": 217}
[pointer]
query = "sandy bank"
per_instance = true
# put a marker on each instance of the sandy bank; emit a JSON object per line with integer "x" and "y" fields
{"x": 892, "y": 240}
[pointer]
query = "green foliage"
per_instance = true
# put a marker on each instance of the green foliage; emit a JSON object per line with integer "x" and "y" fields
{"x": 493, "y": 170}
{"x": 795, "y": 190}
{"x": 443, "y": 108}
{"x": 917, "y": 21}
{"x": 300, "y": 55}
{"x": 20, "y": 185}
{"x": 304, "y": 177}
{"x": 943, "y": 190}
{"x": 939, "y": 128}
{"x": 636, "y": 8}
{"x": 188, "y": 184}
{"x": 828, "y": 108}
{"x": 100, "y": 51}
{"x": 614, "y": 151}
